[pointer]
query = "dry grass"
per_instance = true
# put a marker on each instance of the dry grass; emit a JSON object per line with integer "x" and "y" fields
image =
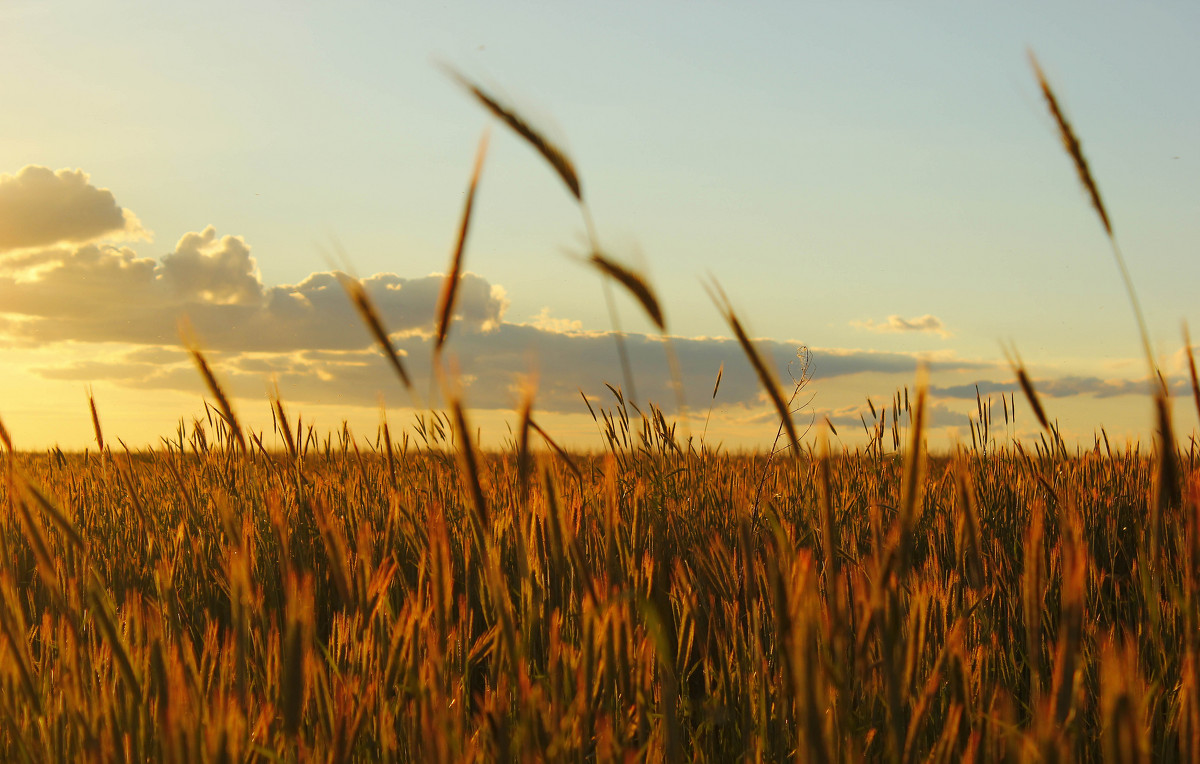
{"x": 889, "y": 606}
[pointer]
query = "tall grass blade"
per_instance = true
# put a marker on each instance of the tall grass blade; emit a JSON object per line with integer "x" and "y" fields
{"x": 108, "y": 627}
{"x": 57, "y": 516}
{"x": 446, "y": 299}
{"x": 562, "y": 453}
{"x": 12, "y": 622}
{"x": 524, "y": 421}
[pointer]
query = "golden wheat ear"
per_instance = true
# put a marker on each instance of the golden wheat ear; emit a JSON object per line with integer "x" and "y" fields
{"x": 96, "y": 421}
{"x": 370, "y": 316}
{"x": 281, "y": 418}
{"x": 760, "y": 368}
{"x": 188, "y": 337}
{"x": 450, "y": 287}
{"x": 635, "y": 284}
{"x": 1018, "y": 367}
{"x": 470, "y": 468}
{"x": 1074, "y": 149}
{"x": 1071, "y": 144}
{"x": 913, "y": 480}
{"x": 553, "y": 155}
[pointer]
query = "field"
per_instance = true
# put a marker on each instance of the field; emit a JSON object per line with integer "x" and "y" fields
{"x": 343, "y": 599}
{"x": 435, "y": 604}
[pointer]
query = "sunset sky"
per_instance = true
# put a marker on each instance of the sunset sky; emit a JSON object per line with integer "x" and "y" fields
{"x": 878, "y": 181}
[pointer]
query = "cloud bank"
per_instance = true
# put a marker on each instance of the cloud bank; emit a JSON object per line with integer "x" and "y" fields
{"x": 1067, "y": 386}
{"x": 66, "y": 277}
{"x": 98, "y": 293}
{"x": 493, "y": 365}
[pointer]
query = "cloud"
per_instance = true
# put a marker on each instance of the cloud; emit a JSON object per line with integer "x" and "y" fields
{"x": 543, "y": 320}
{"x": 40, "y": 207}
{"x": 927, "y": 323}
{"x": 60, "y": 281}
{"x": 493, "y": 365}
{"x": 97, "y": 293}
{"x": 309, "y": 337}
{"x": 1064, "y": 387}
{"x": 114, "y": 371}
{"x": 203, "y": 269}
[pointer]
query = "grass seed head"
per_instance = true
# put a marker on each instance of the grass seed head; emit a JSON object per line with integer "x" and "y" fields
{"x": 370, "y": 316}
{"x": 634, "y": 283}
{"x": 553, "y": 155}
{"x": 449, "y": 291}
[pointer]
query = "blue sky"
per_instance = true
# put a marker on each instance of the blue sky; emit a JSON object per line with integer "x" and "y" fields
{"x": 832, "y": 165}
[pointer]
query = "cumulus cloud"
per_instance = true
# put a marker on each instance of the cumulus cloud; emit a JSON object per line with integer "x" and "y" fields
{"x": 927, "y": 323}
{"x": 98, "y": 293}
{"x": 205, "y": 269}
{"x": 40, "y": 207}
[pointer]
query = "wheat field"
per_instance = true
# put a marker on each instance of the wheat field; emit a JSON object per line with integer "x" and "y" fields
{"x": 201, "y": 603}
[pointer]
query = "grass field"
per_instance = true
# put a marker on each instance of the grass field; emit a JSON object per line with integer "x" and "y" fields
{"x": 349, "y": 600}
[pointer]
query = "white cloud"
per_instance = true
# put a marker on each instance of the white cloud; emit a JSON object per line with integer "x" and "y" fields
{"x": 927, "y": 323}
{"x": 544, "y": 321}
{"x": 205, "y": 269}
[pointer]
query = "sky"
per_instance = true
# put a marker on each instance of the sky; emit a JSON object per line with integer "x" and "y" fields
{"x": 878, "y": 182}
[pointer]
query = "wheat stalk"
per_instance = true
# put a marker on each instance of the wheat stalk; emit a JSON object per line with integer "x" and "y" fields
{"x": 450, "y": 286}
{"x": 370, "y": 316}
{"x": 214, "y": 387}
{"x": 764, "y": 376}
{"x": 553, "y": 155}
